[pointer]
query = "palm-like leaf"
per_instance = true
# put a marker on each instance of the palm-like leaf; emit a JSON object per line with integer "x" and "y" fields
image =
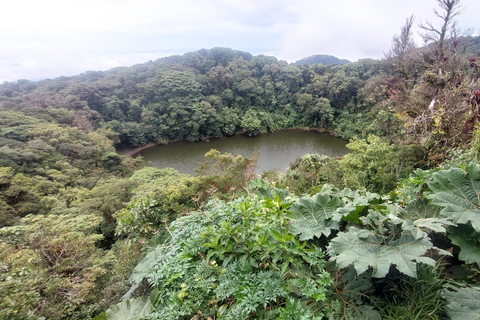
{"x": 366, "y": 249}
{"x": 426, "y": 216}
{"x": 458, "y": 191}
{"x": 463, "y": 303}
{"x": 134, "y": 309}
{"x": 315, "y": 216}
{"x": 468, "y": 241}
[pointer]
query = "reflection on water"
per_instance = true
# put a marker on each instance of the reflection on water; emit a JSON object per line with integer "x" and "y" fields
{"x": 276, "y": 150}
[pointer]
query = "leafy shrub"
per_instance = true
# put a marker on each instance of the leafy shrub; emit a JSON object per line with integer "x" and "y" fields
{"x": 234, "y": 260}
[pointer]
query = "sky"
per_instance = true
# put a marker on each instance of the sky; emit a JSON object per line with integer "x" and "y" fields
{"x": 49, "y": 38}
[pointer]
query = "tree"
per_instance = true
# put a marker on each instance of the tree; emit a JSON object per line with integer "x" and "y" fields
{"x": 403, "y": 57}
{"x": 55, "y": 271}
{"x": 250, "y": 123}
{"x": 449, "y": 10}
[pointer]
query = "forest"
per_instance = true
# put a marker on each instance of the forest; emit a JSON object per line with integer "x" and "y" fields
{"x": 389, "y": 231}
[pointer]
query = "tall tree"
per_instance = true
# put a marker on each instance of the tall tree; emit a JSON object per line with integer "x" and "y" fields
{"x": 449, "y": 10}
{"x": 403, "y": 56}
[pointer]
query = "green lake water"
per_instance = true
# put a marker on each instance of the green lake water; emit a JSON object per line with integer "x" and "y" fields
{"x": 276, "y": 150}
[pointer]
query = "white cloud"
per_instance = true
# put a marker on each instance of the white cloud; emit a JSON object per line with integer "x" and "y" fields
{"x": 50, "y": 38}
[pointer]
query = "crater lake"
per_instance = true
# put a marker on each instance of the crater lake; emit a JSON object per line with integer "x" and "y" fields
{"x": 276, "y": 150}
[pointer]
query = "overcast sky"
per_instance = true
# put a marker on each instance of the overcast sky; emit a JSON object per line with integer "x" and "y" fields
{"x": 49, "y": 38}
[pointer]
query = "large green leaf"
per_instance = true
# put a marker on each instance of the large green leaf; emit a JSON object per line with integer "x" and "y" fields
{"x": 366, "y": 249}
{"x": 420, "y": 215}
{"x": 353, "y": 210}
{"x": 421, "y": 209}
{"x": 458, "y": 191}
{"x": 463, "y": 303}
{"x": 144, "y": 267}
{"x": 134, "y": 309}
{"x": 101, "y": 316}
{"x": 354, "y": 312}
{"x": 468, "y": 241}
{"x": 315, "y": 216}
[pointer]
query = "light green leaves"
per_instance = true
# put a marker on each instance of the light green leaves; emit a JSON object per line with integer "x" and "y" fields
{"x": 468, "y": 241}
{"x": 134, "y": 309}
{"x": 421, "y": 209}
{"x": 315, "y": 216}
{"x": 458, "y": 192}
{"x": 367, "y": 249}
{"x": 425, "y": 216}
{"x": 463, "y": 303}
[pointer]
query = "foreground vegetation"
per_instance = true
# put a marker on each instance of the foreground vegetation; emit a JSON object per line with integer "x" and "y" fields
{"x": 389, "y": 231}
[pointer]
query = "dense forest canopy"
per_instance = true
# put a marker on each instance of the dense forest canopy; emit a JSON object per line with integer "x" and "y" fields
{"x": 321, "y": 58}
{"x": 208, "y": 93}
{"x": 87, "y": 232}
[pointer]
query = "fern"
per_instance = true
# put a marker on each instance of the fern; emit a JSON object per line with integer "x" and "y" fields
{"x": 235, "y": 260}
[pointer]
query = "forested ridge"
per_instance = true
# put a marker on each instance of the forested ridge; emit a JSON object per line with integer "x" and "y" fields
{"x": 389, "y": 231}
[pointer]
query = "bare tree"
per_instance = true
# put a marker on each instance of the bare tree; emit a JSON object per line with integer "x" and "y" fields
{"x": 403, "y": 56}
{"x": 449, "y": 9}
{"x": 403, "y": 43}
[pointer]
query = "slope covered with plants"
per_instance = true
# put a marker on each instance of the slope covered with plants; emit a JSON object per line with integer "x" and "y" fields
{"x": 389, "y": 231}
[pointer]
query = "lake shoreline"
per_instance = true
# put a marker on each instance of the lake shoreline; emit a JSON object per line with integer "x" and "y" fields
{"x": 133, "y": 151}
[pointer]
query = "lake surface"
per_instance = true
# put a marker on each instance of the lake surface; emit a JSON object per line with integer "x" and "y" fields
{"x": 276, "y": 150}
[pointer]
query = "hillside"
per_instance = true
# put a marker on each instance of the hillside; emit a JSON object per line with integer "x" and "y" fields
{"x": 321, "y": 58}
{"x": 389, "y": 230}
{"x": 208, "y": 93}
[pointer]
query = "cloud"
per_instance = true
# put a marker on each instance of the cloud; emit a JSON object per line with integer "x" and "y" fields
{"x": 50, "y": 38}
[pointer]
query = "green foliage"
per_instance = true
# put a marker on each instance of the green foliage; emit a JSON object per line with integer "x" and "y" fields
{"x": 316, "y": 215}
{"x": 216, "y": 92}
{"x": 372, "y": 164}
{"x": 352, "y": 300}
{"x": 384, "y": 239}
{"x": 311, "y": 170}
{"x": 134, "y": 309}
{"x": 380, "y": 250}
{"x": 59, "y": 265}
{"x": 468, "y": 240}
{"x": 250, "y": 123}
{"x": 463, "y": 303}
{"x": 411, "y": 188}
{"x": 425, "y": 215}
{"x": 415, "y": 298}
{"x": 58, "y": 255}
{"x": 160, "y": 197}
{"x": 110, "y": 160}
{"x": 250, "y": 257}
{"x": 456, "y": 191}
{"x": 234, "y": 260}
{"x": 137, "y": 220}
{"x": 223, "y": 174}
{"x": 375, "y": 165}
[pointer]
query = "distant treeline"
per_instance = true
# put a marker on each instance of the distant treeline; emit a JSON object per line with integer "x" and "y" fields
{"x": 208, "y": 93}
